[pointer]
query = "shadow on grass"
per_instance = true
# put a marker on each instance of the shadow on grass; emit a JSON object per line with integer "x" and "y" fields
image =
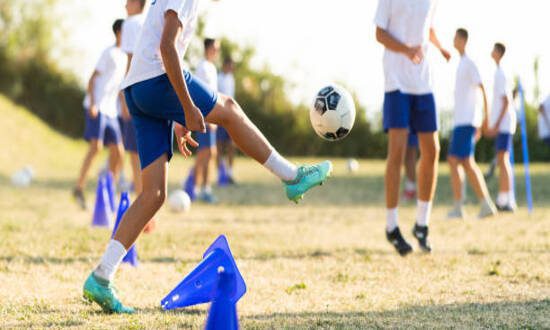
{"x": 525, "y": 315}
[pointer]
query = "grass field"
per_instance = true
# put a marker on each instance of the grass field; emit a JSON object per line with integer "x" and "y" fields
{"x": 322, "y": 264}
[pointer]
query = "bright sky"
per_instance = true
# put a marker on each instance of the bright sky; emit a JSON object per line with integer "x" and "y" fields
{"x": 315, "y": 42}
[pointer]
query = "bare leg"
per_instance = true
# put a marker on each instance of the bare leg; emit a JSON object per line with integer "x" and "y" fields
{"x": 116, "y": 153}
{"x": 397, "y": 145}
{"x": 457, "y": 178}
{"x": 428, "y": 165}
{"x": 505, "y": 168}
{"x": 410, "y": 163}
{"x": 228, "y": 114}
{"x": 93, "y": 150}
{"x": 136, "y": 172}
{"x": 201, "y": 167}
{"x": 146, "y": 205}
{"x": 476, "y": 179}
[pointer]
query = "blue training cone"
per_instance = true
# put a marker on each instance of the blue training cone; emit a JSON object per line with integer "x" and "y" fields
{"x": 110, "y": 180}
{"x": 202, "y": 284}
{"x": 223, "y": 311}
{"x": 223, "y": 177}
{"x": 189, "y": 185}
{"x": 131, "y": 256}
{"x": 102, "y": 210}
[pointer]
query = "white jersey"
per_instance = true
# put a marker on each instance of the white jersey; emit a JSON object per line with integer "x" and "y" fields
{"x": 408, "y": 21}
{"x": 502, "y": 89}
{"x": 466, "y": 110}
{"x": 131, "y": 29}
{"x": 226, "y": 84}
{"x": 544, "y": 126}
{"x": 147, "y": 60}
{"x": 207, "y": 73}
{"x": 111, "y": 69}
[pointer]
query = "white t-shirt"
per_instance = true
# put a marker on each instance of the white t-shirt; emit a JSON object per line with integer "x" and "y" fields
{"x": 408, "y": 21}
{"x": 207, "y": 73}
{"x": 544, "y": 129}
{"x": 502, "y": 89}
{"x": 226, "y": 84}
{"x": 147, "y": 60}
{"x": 111, "y": 69}
{"x": 466, "y": 110}
{"x": 131, "y": 29}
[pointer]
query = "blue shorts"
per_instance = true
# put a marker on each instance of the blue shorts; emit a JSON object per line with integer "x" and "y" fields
{"x": 155, "y": 107}
{"x": 463, "y": 142}
{"x": 412, "y": 142}
{"x": 546, "y": 141}
{"x": 222, "y": 135}
{"x": 103, "y": 128}
{"x": 206, "y": 140}
{"x": 503, "y": 142}
{"x": 128, "y": 135}
{"x": 417, "y": 112}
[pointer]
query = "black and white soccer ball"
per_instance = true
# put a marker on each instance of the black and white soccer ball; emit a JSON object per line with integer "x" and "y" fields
{"x": 333, "y": 113}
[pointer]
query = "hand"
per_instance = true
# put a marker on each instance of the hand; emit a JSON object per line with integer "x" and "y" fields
{"x": 492, "y": 132}
{"x": 194, "y": 121}
{"x": 445, "y": 54}
{"x": 93, "y": 112}
{"x": 478, "y": 134}
{"x": 415, "y": 54}
{"x": 183, "y": 137}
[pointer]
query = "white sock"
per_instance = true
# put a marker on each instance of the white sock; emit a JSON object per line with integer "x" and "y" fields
{"x": 207, "y": 189}
{"x": 111, "y": 260}
{"x": 424, "y": 212}
{"x": 503, "y": 198}
{"x": 230, "y": 172}
{"x": 281, "y": 167}
{"x": 511, "y": 198}
{"x": 410, "y": 185}
{"x": 391, "y": 219}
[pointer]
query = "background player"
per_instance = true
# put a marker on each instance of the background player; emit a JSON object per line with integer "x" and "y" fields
{"x": 226, "y": 149}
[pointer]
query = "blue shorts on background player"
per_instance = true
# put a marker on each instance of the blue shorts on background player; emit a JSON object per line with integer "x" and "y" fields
{"x": 463, "y": 142}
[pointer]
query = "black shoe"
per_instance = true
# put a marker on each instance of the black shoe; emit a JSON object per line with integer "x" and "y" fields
{"x": 421, "y": 234}
{"x": 506, "y": 208}
{"x": 398, "y": 242}
{"x": 78, "y": 195}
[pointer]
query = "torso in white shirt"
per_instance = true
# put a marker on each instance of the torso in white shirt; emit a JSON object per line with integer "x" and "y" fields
{"x": 131, "y": 30}
{"x": 147, "y": 60}
{"x": 466, "y": 110}
{"x": 206, "y": 72}
{"x": 226, "y": 84}
{"x": 408, "y": 21}
{"x": 111, "y": 69}
{"x": 502, "y": 89}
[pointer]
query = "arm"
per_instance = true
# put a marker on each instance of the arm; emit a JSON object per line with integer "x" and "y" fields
{"x": 505, "y": 104}
{"x": 435, "y": 41}
{"x": 170, "y": 58}
{"x": 129, "y": 62}
{"x": 485, "y": 125}
{"x": 91, "y": 87}
{"x": 415, "y": 54}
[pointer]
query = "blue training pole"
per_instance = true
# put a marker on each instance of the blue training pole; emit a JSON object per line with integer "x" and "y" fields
{"x": 525, "y": 147}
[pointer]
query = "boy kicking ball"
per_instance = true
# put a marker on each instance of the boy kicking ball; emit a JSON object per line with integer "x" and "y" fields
{"x": 163, "y": 100}
{"x": 468, "y": 120}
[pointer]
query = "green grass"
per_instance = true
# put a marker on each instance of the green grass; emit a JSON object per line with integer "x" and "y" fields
{"x": 323, "y": 264}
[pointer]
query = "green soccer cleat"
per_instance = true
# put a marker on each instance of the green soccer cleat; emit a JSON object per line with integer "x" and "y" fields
{"x": 103, "y": 293}
{"x": 308, "y": 177}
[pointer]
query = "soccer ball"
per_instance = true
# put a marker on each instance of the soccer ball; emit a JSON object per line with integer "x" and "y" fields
{"x": 179, "y": 201}
{"x": 333, "y": 113}
{"x": 23, "y": 178}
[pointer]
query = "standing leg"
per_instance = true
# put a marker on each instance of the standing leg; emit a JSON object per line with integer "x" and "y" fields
{"x": 78, "y": 192}
{"x": 457, "y": 181}
{"x": 475, "y": 176}
{"x": 411, "y": 157}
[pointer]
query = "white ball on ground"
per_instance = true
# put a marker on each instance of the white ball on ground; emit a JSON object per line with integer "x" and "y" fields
{"x": 353, "y": 165}
{"x": 23, "y": 177}
{"x": 179, "y": 201}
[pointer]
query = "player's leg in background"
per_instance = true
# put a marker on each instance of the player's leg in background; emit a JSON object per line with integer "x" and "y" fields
{"x": 94, "y": 148}
{"x": 457, "y": 181}
{"x": 116, "y": 156}
{"x": 476, "y": 179}
{"x": 505, "y": 170}
{"x": 411, "y": 158}
{"x": 136, "y": 172}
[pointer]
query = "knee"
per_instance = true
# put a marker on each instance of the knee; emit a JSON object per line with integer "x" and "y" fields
{"x": 431, "y": 152}
{"x": 154, "y": 197}
{"x": 231, "y": 111}
{"x": 95, "y": 148}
